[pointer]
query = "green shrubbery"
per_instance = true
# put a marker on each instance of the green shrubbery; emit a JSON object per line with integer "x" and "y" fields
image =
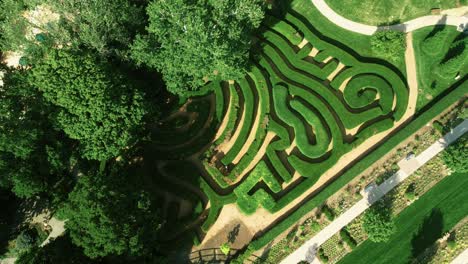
{"x": 389, "y": 44}
{"x": 347, "y": 238}
{"x": 433, "y": 44}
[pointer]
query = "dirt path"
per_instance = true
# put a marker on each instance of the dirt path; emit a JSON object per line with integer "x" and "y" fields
{"x": 226, "y": 146}
{"x": 224, "y": 123}
{"x": 252, "y": 135}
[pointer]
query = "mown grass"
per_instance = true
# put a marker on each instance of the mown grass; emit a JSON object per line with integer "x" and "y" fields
{"x": 430, "y": 84}
{"x": 420, "y": 225}
{"x": 378, "y": 12}
{"x": 356, "y": 42}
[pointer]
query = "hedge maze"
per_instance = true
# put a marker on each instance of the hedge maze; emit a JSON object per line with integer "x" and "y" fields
{"x": 264, "y": 140}
{"x": 304, "y": 104}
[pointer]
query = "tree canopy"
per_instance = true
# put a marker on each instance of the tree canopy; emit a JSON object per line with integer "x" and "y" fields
{"x": 113, "y": 213}
{"x": 378, "y": 223}
{"x": 107, "y": 26}
{"x": 96, "y": 104}
{"x": 192, "y": 42}
{"x": 34, "y": 155}
{"x": 389, "y": 44}
{"x": 455, "y": 155}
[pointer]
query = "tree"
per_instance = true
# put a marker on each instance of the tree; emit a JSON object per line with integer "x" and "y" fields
{"x": 389, "y": 44}
{"x": 26, "y": 240}
{"x": 96, "y": 104}
{"x": 59, "y": 251}
{"x": 457, "y": 57}
{"x": 435, "y": 41}
{"x": 105, "y": 215}
{"x": 107, "y": 26}
{"x": 192, "y": 42}
{"x": 28, "y": 140}
{"x": 378, "y": 223}
{"x": 455, "y": 155}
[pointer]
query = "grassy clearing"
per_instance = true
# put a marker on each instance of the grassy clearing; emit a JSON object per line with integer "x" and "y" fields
{"x": 430, "y": 84}
{"x": 419, "y": 225}
{"x": 378, "y": 12}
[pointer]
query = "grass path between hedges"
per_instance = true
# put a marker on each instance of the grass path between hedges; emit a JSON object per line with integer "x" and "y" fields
{"x": 419, "y": 225}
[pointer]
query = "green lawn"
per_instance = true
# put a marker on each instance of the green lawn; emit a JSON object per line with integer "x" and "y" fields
{"x": 357, "y": 42}
{"x": 430, "y": 84}
{"x": 420, "y": 225}
{"x": 378, "y": 12}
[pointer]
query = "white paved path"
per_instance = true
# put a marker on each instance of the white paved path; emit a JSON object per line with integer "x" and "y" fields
{"x": 371, "y": 195}
{"x": 409, "y": 26}
{"x": 462, "y": 258}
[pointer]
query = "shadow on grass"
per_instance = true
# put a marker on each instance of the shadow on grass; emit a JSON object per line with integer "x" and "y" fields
{"x": 428, "y": 233}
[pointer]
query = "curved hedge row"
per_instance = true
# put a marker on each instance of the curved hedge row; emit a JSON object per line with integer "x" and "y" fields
{"x": 311, "y": 113}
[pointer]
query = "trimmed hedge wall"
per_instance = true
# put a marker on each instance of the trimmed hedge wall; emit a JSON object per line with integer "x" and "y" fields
{"x": 360, "y": 166}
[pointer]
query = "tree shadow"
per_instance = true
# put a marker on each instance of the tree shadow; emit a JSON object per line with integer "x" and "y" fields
{"x": 428, "y": 233}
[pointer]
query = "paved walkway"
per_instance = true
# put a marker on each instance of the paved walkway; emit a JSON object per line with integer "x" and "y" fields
{"x": 58, "y": 228}
{"x": 409, "y": 26}
{"x": 371, "y": 194}
{"x": 462, "y": 258}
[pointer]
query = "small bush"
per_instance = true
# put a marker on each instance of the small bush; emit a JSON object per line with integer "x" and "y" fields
{"x": 438, "y": 126}
{"x": 451, "y": 243}
{"x": 322, "y": 256}
{"x": 389, "y": 44}
{"x": 328, "y": 213}
{"x": 409, "y": 193}
{"x": 347, "y": 238}
{"x": 26, "y": 240}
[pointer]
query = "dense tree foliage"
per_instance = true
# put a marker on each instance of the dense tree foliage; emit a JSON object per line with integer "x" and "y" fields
{"x": 107, "y": 26}
{"x": 389, "y": 44}
{"x": 113, "y": 213}
{"x": 59, "y": 251}
{"x": 378, "y": 223}
{"x": 34, "y": 156}
{"x": 455, "y": 155}
{"x": 192, "y": 42}
{"x": 455, "y": 60}
{"x": 97, "y": 105}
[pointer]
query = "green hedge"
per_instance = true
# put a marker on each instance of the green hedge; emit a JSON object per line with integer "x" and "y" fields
{"x": 249, "y": 204}
{"x": 360, "y": 166}
{"x": 284, "y": 29}
{"x": 249, "y": 105}
{"x": 433, "y": 44}
{"x": 280, "y": 100}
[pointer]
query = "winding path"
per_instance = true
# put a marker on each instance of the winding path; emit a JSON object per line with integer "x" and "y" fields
{"x": 372, "y": 194}
{"x": 409, "y": 26}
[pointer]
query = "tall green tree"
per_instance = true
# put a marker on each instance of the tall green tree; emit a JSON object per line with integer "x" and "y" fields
{"x": 96, "y": 104}
{"x": 194, "y": 41}
{"x": 106, "y": 26}
{"x": 378, "y": 222}
{"x": 455, "y": 155}
{"x": 34, "y": 155}
{"x": 113, "y": 213}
